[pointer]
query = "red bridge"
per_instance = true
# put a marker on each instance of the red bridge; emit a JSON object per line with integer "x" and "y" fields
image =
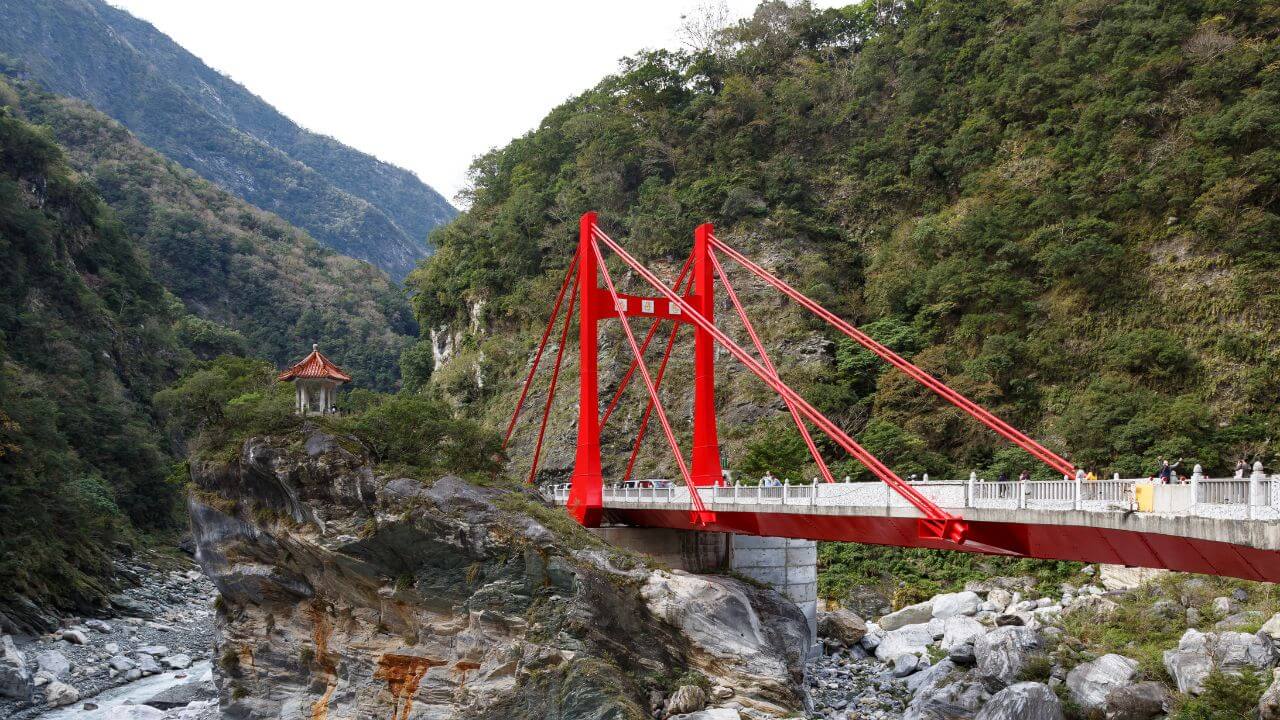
{"x": 1228, "y": 527}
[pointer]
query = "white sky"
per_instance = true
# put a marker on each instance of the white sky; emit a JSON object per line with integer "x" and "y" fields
{"x": 424, "y": 85}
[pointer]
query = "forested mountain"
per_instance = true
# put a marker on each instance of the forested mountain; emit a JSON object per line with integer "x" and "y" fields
{"x": 87, "y": 335}
{"x": 203, "y": 120}
{"x": 1068, "y": 210}
{"x": 120, "y": 271}
{"x": 229, "y": 262}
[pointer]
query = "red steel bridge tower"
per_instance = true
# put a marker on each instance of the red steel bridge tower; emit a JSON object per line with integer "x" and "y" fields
{"x": 691, "y": 301}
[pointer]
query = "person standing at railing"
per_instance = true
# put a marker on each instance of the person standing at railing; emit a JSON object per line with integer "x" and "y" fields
{"x": 1242, "y": 467}
{"x": 1024, "y": 476}
{"x": 1091, "y": 476}
{"x": 1003, "y": 477}
{"x": 1166, "y": 471}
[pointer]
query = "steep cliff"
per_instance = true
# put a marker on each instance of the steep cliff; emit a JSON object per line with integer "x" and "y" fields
{"x": 348, "y": 591}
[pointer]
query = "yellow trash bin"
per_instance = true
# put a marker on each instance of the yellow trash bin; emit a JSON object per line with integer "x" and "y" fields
{"x": 1145, "y": 496}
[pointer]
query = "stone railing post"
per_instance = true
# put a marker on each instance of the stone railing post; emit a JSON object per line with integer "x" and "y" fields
{"x": 736, "y": 485}
{"x": 786, "y": 483}
{"x": 1022, "y": 494}
{"x": 1255, "y": 483}
{"x": 970, "y": 490}
{"x": 813, "y": 493}
{"x": 1075, "y": 503}
{"x": 1197, "y": 474}
{"x": 925, "y": 477}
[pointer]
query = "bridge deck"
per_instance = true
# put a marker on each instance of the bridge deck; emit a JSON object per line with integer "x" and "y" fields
{"x": 1201, "y": 529}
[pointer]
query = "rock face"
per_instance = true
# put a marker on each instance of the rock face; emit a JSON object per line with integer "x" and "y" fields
{"x": 1090, "y": 683}
{"x": 1140, "y": 701}
{"x": 345, "y": 593}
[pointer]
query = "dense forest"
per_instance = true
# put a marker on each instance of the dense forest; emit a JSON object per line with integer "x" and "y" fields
{"x": 1067, "y": 210}
{"x": 203, "y": 120}
{"x": 229, "y": 262}
{"x": 87, "y": 336}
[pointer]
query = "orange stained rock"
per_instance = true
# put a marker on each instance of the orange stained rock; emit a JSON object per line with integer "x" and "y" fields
{"x": 403, "y": 673}
{"x": 462, "y": 666}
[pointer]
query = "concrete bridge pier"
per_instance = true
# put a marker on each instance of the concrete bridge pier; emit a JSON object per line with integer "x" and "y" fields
{"x": 786, "y": 565}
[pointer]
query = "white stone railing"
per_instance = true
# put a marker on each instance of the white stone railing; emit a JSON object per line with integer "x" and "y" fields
{"x": 1254, "y": 498}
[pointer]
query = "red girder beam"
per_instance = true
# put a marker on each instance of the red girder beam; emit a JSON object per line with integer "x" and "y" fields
{"x": 984, "y": 416}
{"x": 936, "y": 521}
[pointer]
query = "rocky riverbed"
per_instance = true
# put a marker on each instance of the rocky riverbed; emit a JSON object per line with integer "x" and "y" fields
{"x": 150, "y": 659}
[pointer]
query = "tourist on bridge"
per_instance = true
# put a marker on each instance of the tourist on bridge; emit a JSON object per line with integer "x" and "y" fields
{"x": 1024, "y": 476}
{"x": 1167, "y": 471}
{"x": 1091, "y": 476}
{"x": 1241, "y": 468}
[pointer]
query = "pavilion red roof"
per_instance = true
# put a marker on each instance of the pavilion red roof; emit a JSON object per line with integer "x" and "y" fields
{"x": 315, "y": 365}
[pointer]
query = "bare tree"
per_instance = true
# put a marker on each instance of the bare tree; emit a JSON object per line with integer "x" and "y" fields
{"x": 702, "y": 29}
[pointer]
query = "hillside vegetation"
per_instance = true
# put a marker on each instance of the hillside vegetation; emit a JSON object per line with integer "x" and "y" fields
{"x": 1067, "y": 210}
{"x": 203, "y": 120}
{"x": 230, "y": 263}
{"x": 87, "y": 336}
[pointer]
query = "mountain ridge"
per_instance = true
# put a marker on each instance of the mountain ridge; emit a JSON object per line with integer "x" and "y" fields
{"x": 173, "y": 102}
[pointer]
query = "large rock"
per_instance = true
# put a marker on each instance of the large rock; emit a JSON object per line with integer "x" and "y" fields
{"x": 686, "y": 699}
{"x": 960, "y": 630}
{"x": 53, "y": 663}
{"x": 910, "y": 639}
{"x": 1093, "y": 604}
{"x": 1141, "y": 701}
{"x": 1023, "y": 701}
{"x": 1269, "y": 704}
{"x": 456, "y": 590}
{"x": 842, "y": 626}
{"x": 714, "y": 714}
{"x": 1199, "y": 653}
{"x": 1090, "y": 683}
{"x": 953, "y": 604}
{"x": 1271, "y": 629}
{"x": 909, "y": 615}
{"x": 941, "y": 693}
{"x": 1003, "y": 653}
{"x": 1119, "y": 577}
{"x": 57, "y": 694}
{"x": 15, "y": 679}
{"x": 197, "y": 686}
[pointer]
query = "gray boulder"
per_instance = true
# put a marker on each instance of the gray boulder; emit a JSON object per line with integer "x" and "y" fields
{"x": 909, "y": 615}
{"x": 910, "y": 639}
{"x": 1269, "y": 704}
{"x": 1002, "y": 654}
{"x": 53, "y": 663}
{"x": 959, "y": 631}
{"x": 686, "y": 699}
{"x": 953, "y": 604}
{"x": 1001, "y": 598}
{"x": 944, "y": 696}
{"x": 905, "y": 664}
{"x": 120, "y": 663}
{"x": 1141, "y": 701}
{"x": 714, "y": 714}
{"x": 1023, "y": 701}
{"x": 1090, "y": 683}
{"x": 1199, "y": 653}
{"x": 180, "y": 661}
{"x": 57, "y": 694}
{"x": 1271, "y": 629}
{"x": 75, "y": 636}
{"x": 15, "y": 679}
{"x": 842, "y": 626}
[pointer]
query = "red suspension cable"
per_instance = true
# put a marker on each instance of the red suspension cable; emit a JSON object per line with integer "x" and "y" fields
{"x": 941, "y": 522}
{"x": 542, "y": 344}
{"x": 648, "y": 408}
{"x": 551, "y": 392}
{"x": 768, "y": 364}
{"x": 700, "y": 511}
{"x": 644, "y": 347}
{"x": 984, "y": 416}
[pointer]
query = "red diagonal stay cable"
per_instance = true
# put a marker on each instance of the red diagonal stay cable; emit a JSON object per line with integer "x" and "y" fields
{"x": 768, "y": 363}
{"x": 644, "y": 347}
{"x": 944, "y": 523}
{"x": 1001, "y": 427}
{"x": 551, "y": 391}
{"x": 700, "y": 510}
{"x": 542, "y": 344}
{"x": 648, "y": 409}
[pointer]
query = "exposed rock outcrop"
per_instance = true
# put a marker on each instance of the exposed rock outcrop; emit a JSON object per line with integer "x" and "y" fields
{"x": 344, "y": 593}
